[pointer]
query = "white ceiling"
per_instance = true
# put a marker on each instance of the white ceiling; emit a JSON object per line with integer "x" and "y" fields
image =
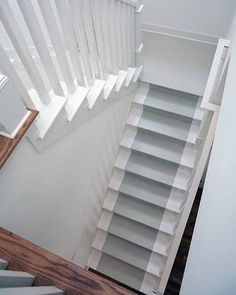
{"x": 210, "y": 17}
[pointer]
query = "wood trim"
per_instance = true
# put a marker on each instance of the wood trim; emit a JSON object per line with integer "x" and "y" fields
{"x": 50, "y": 269}
{"x": 8, "y": 145}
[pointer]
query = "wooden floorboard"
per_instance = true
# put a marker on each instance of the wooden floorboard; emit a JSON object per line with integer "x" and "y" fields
{"x": 52, "y": 270}
{"x": 8, "y": 145}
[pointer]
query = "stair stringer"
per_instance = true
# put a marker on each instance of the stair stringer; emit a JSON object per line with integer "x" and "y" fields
{"x": 62, "y": 127}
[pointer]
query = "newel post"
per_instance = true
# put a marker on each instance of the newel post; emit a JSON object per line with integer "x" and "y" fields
{"x": 13, "y": 113}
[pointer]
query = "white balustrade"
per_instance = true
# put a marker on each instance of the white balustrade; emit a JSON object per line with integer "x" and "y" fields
{"x": 81, "y": 49}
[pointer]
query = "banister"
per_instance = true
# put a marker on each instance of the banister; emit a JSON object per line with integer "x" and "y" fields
{"x": 83, "y": 50}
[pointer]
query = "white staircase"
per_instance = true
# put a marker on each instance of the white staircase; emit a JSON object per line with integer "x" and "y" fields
{"x": 163, "y": 152}
{"x": 20, "y": 283}
{"x": 149, "y": 186}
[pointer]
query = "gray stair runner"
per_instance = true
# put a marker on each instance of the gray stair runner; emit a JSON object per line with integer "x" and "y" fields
{"x": 149, "y": 186}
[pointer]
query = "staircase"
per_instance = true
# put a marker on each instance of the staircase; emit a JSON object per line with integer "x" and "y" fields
{"x": 149, "y": 185}
{"x": 162, "y": 156}
{"x": 20, "y": 283}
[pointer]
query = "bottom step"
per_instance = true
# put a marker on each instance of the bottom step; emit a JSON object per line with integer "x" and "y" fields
{"x": 10, "y": 279}
{"x": 127, "y": 274}
{"x": 31, "y": 291}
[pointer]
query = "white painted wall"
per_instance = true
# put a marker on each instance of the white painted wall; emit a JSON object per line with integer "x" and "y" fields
{"x": 211, "y": 17}
{"x": 54, "y": 198}
{"x": 177, "y": 63}
{"x": 212, "y": 258}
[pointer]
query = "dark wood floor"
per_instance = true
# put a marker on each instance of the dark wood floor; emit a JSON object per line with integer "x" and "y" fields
{"x": 175, "y": 280}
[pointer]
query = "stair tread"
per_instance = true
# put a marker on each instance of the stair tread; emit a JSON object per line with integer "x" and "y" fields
{"x": 11, "y": 273}
{"x": 150, "y": 216}
{"x": 158, "y": 170}
{"x": 31, "y": 291}
{"x": 126, "y": 251}
{"x": 159, "y": 146}
{"x": 10, "y": 278}
{"x": 139, "y": 234}
{"x": 133, "y": 231}
{"x": 121, "y": 271}
{"x": 173, "y": 101}
{"x": 152, "y": 192}
{"x": 168, "y": 126}
{"x": 144, "y": 213}
{"x": 162, "y": 147}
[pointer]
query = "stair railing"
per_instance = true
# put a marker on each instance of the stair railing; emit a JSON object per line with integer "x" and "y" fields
{"x": 81, "y": 46}
{"x": 211, "y": 104}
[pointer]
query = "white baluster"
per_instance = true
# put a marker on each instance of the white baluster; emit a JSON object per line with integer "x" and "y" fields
{"x": 56, "y": 39}
{"x": 82, "y": 42}
{"x": 8, "y": 69}
{"x": 88, "y": 25}
{"x": 128, "y": 33}
{"x": 116, "y": 12}
{"x": 110, "y": 17}
{"x": 67, "y": 27}
{"x": 123, "y": 37}
{"x": 13, "y": 30}
{"x": 35, "y": 30}
{"x": 132, "y": 30}
{"x": 97, "y": 19}
{"x": 106, "y": 35}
